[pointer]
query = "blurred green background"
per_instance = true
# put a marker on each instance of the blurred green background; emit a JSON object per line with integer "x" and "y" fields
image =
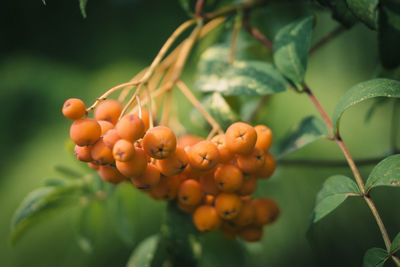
{"x": 50, "y": 53}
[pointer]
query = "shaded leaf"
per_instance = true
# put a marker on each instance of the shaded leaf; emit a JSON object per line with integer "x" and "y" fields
{"x": 239, "y": 78}
{"x": 144, "y": 252}
{"x": 39, "y": 203}
{"x": 216, "y": 105}
{"x": 395, "y": 244}
{"x": 363, "y": 91}
{"x": 365, "y": 10}
{"x": 389, "y": 35}
{"x": 375, "y": 257}
{"x": 379, "y": 102}
{"x": 307, "y": 131}
{"x": 291, "y": 44}
{"x": 55, "y": 182}
{"x": 82, "y": 6}
{"x": 67, "y": 171}
{"x": 334, "y": 191}
{"x": 44, "y": 2}
{"x": 340, "y": 11}
{"x": 385, "y": 173}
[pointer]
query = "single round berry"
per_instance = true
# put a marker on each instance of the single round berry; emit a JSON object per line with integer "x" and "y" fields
{"x": 228, "y": 205}
{"x": 101, "y": 154}
{"x": 207, "y": 181}
{"x": 130, "y": 127}
{"x": 82, "y": 153}
{"x": 240, "y": 138}
{"x": 111, "y": 175}
{"x": 111, "y": 137}
{"x": 85, "y": 132}
{"x": 135, "y": 166}
{"x": 206, "y": 218}
{"x": 148, "y": 179}
{"x": 225, "y": 155}
{"x": 228, "y": 178}
{"x": 167, "y": 188}
{"x": 248, "y": 187}
{"x": 175, "y": 164}
{"x": 145, "y": 118}
{"x": 159, "y": 142}
{"x": 268, "y": 169}
{"x": 264, "y": 137}
{"x": 203, "y": 156}
{"x": 188, "y": 140}
{"x": 74, "y": 109}
{"x": 267, "y": 211}
{"x": 190, "y": 193}
{"x": 252, "y": 162}
{"x": 108, "y": 110}
{"x": 123, "y": 150}
{"x": 246, "y": 215}
{"x": 251, "y": 233}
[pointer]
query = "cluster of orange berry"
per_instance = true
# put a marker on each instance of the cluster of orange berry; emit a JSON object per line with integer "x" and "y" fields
{"x": 211, "y": 179}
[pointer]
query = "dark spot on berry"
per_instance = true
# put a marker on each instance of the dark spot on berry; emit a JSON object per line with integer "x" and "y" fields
{"x": 226, "y": 213}
{"x": 221, "y": 184}
{"x": 185, "y": 198}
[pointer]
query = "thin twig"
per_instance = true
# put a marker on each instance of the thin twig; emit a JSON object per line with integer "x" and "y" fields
{"x": 255, "y": 32}
{"x": 196, "y": 103}
{"x": 166, "y": 108}
{"x": 234, "y": 8}
{"x": 327, "y": 38}
{"x": 199, "y": 8}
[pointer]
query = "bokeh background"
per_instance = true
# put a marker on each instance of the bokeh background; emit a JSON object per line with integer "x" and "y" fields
{"x": 50, "y": 53}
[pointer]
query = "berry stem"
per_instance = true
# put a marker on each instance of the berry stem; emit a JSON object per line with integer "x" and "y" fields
{"x": 255, "y": 32}
{"x": 196, "y": 103}
{"x": 166, "y": 108}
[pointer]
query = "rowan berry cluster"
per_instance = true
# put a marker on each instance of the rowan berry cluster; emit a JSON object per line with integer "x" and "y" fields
{"x": 211, "y": 179}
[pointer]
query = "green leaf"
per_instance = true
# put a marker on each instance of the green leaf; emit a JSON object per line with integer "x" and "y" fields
{"x": 55, "y": 182}
{"x": 363, "y": 91}
{"x": 307, "y": 131}
{"x": 334, "y": 191}
{"x": 82, "y": 6}
{"x": 39, "y": 203}
{"x": 44, "y": 2}
{"x": 216, "y": 105}
{"x": 389, "y": 35}
{"x": 238, "y": 78}
{"x": 67, "y": 171}
{"x": 366, "y": 11}
{"x": 395, "y": 244}
{"x": 144, "y": 253}
{"x": 291, "y": 44}
{"x": 375, "y": 257}
{"x": 386, "y": 173}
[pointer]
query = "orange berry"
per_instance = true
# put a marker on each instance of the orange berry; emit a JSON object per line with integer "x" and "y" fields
{"x": 206, "y": 218}
{"x": 268, "y": 169}
{"x": 225, "y": 155}
{"x": 246, "y": 215}
{"x": 248, "y": 187}
{"x": 267, "y": 211}
{"x": 209, "y": 199}
{"x": 159, "y": 142}
{"x": 136, "y": 166}
{"x": 203, "y": 156}
{"x": 111, "y": 175}
{"x": 111, "y": 137}
{"x": 175, "y": 164}
{"x": 85, "y": 132}
{"x": 93, "y": 166}
{"x": 123, "y": 150}
{"x": 101, "y": 154}
{"x": 264, "y": 137}
{"x": 82, "y": 153}
{"x": 228, "y": 205}
{"x": 252, "y": 162}
{"x": 145, "y": 118}
{"x": 74, "y": 108}
{"x": 105, "y": 126}
{"x": 240, "y": 138}
{"x": 148, "y": 179}
{"x": 108, "y": 110}
{"x": 188, "y": 140}
{"x": 208, "y": 183}
{"x": 228, "y": 178}
{"x": 130, "y": 127}
{"x": 166, "y": 189}
{"x": 190, "y": 193}
{"x": 251, "y": 233}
